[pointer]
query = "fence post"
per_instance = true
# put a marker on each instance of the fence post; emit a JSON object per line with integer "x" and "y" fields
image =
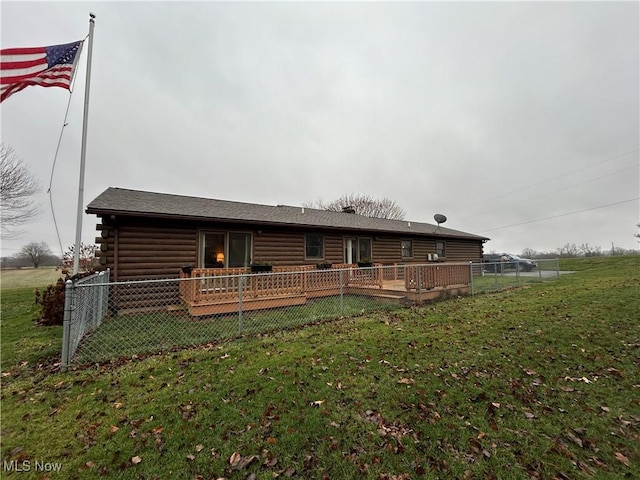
{"x": 539, "y": 270}
{"x": 240, "y": 279}
{"x": 100, "y": 300}
{"x": 419, "y": 285}
{"x": 105, "y": 296}
{"x": 66, "y": 324}
{"x": 557, "y": 267}
{"x": 341, "y": 292}
{"x": 471, "y": 276}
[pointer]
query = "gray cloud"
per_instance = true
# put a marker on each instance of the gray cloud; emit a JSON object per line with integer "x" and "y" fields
{"x": 454, "y": 107}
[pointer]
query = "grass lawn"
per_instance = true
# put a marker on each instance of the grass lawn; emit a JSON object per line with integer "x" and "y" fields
{"x": 535, "y": 382}
{"x": 28, "y": 277}
{"x": 127, "y": 335}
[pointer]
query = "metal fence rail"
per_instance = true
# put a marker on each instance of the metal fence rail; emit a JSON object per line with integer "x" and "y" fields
{"x": 105, "y": 320}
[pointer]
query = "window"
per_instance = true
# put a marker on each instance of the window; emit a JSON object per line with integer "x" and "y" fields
{"x": 357, "y": 250}
{"x": 314, "y": 246}
{"x": 364, "y": 250}
{"x": 212, "y": 254}
{"x": 440, "y": 249}
{"x": 224, "y": 249}
{"x": 407, "y": 248}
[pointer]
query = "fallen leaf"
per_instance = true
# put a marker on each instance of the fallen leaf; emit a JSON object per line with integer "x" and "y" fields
{"x": 235, "y": 459}
{"x": 238, "y": 462}
{"x": 575, "y": 439}
{"x": 191, "y": 456}
{"x": 621, "y": 458}
{"x": 113, "y": 429}
{"x": 407, "y": 381}
{"x": 136, "y": 460}
{"x": 271, "y": 441}
{"x": 199, "y": 447}
{"x": 317, "y": 403}
{"x": 270, "y": 462}
{"x": 615, "y": 372}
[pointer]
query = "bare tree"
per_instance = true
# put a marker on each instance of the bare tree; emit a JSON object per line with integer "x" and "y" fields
{"x": 529, "y": 253}
{"x": 17, "y": 186}
{"x": 568, "y": 250}
{"x": 36, "y": 252}
{"x": 590, "y": 251}
{"x": 362, "y": 205}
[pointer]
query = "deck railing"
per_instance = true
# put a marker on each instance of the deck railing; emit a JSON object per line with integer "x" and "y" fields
{"x": 218, "y": 284}
{"x": 209, "y": 285}
{"x": 425, "y": 277}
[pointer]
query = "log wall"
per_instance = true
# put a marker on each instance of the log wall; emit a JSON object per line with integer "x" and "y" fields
{"x": 140, "y": 248}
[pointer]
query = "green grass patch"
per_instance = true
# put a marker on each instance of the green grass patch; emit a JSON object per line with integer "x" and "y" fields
{"x": 126, "y": 335}
{"x": 22, "y": 342}
{"x": 28, "y": 277}
{"x": 535, "y": 382}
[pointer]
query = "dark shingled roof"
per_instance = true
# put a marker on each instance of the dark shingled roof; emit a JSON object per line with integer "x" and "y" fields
{"x": 120, "y": 201}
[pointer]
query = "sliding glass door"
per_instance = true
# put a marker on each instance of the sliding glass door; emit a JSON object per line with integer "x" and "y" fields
{"x": 225, "y": 249}
{"x": 357, "y": 250}
{"x": 239, "y": 249}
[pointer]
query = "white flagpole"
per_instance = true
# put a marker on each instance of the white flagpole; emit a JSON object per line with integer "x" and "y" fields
{"x": 83, "y": 153}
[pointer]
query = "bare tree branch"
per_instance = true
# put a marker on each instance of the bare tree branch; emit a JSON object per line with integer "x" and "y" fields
{"x": 364, "y": 205}
{"x": 17, "y": 186}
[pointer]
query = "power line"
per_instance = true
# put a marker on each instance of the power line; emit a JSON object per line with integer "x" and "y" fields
{"x": 550, "y": 193}
{"x": 562, "y": 215}
{"x": 551, "y": 179}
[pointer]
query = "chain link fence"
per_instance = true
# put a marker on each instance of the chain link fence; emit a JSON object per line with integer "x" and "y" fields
{"x": 495, "y": 276}
{"x": 108, "y": 320}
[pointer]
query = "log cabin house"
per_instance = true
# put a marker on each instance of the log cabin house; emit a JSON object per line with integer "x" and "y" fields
{"x": 147, "y": 235}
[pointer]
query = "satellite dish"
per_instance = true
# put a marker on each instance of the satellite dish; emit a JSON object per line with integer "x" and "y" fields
{"x": 439, "y": 218}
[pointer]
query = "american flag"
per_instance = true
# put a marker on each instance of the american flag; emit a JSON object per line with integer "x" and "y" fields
{"x": 52, "y": 66}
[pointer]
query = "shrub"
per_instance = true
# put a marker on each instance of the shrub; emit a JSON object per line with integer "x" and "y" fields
{"x": 51, "y": 302}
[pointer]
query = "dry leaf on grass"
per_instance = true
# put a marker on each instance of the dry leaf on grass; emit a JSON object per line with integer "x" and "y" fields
{"x": 621, "y": 458}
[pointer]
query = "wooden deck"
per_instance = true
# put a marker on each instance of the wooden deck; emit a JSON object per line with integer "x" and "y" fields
{"x": 227, "y": 290}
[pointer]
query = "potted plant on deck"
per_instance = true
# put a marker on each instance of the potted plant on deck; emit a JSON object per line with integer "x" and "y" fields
{"x": 261, "y": 267}
{"x": 324, "y": 266}
{"x": 365, "y": 263}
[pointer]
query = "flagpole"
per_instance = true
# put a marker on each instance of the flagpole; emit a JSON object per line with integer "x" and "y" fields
{"x": 83, "y": 153}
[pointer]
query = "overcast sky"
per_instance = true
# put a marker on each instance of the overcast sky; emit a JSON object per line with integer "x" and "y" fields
{"x": 506, "y": 117}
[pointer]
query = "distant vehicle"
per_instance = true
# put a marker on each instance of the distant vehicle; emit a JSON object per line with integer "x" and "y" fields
{"x": 499, "y": 262}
